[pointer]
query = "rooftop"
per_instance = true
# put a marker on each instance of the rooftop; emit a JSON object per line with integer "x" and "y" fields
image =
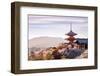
{"x": 71, "y": 33}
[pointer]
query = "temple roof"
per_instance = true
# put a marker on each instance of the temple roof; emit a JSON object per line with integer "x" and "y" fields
{"x": 82, "y": 41}
{"x": 71, "y": 33}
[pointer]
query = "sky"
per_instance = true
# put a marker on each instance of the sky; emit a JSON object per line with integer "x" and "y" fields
{"x": 57, "y": 26}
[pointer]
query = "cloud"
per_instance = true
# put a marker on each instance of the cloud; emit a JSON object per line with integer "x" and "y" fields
{"x": 57, "y": 26}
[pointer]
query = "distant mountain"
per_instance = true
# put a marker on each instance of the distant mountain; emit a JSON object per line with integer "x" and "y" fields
{"x": 45, "y": 42}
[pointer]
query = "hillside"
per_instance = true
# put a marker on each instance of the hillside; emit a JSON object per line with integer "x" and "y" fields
{"x": 45, "y": 42}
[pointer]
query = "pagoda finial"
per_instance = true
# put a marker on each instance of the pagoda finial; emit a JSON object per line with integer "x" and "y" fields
{"x": 71, "y": 33}
{"x": 70, "y": 26}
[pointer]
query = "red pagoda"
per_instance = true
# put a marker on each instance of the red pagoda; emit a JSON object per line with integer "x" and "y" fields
{"x": 71, "y": 35}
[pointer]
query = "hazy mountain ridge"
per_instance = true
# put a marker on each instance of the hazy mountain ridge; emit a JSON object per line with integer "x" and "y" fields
{"x": 45, "y": 42}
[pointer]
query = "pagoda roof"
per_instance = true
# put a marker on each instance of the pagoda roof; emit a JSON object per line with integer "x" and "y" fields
{"x": 71, "y": 33}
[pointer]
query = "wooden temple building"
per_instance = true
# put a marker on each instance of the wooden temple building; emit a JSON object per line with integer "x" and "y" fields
{"x": 82, "y": 42}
